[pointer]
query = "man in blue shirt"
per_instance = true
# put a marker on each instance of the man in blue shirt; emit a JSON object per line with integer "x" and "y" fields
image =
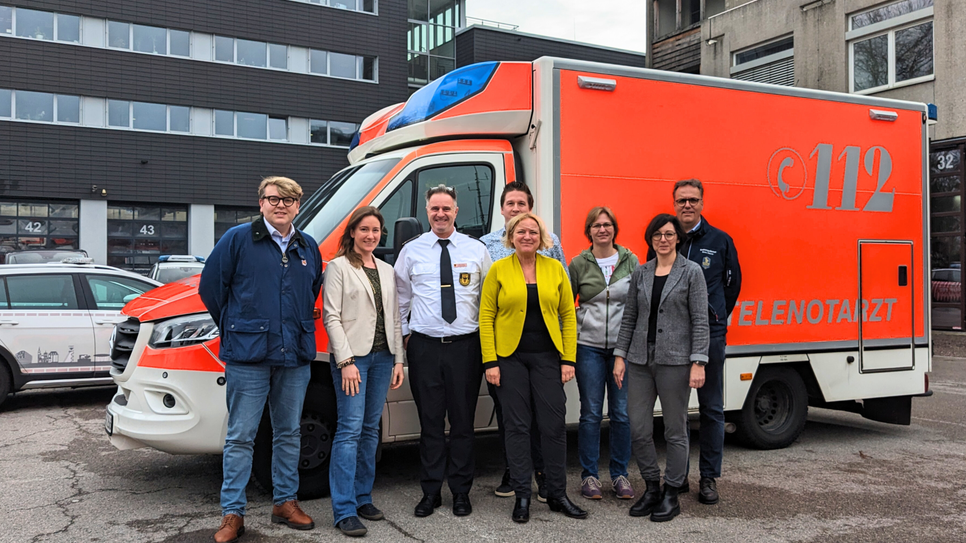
{"x": 260, "y": 285}
{"x": 517, "y": 199}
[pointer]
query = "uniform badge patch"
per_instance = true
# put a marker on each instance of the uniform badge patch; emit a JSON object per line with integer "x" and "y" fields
{"x": 464, "y": 279}
{"x": 304, "y": 263}
{"x": 706, "y": 262}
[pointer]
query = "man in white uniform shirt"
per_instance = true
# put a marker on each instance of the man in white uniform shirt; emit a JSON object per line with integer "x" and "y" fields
{"x": 439, "y": 276}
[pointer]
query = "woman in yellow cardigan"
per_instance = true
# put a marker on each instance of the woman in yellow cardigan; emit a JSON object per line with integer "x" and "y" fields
{"x": 528, "y": 333}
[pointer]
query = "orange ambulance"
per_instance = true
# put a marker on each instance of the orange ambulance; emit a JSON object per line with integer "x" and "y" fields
{"x": 823, "y": 193}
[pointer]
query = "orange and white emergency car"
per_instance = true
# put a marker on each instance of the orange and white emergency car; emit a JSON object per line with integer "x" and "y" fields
{"x": 823, "y": 194}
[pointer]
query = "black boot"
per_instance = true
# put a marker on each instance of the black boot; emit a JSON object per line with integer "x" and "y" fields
{"x": 521, "y": 510}
{"x": 669, "y": 506}
{"x": 565, "y": 506}
{"x": 650, "y": 500}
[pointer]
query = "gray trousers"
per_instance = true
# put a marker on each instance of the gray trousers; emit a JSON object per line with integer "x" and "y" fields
{"x": 646, "y": 383}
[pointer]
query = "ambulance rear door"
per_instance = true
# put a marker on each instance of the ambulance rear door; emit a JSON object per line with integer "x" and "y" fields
{"x": 886, "y": 326}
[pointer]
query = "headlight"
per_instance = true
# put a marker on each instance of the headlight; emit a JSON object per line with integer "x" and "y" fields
{"x": 183, "y": 331}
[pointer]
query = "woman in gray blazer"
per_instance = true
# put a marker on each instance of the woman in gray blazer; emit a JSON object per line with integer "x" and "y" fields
{"x": 361, "y": 316}
{"x": 664, "y": 338}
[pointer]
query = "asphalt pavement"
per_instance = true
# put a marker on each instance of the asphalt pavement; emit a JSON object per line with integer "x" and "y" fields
{"x": 846, "y": 479}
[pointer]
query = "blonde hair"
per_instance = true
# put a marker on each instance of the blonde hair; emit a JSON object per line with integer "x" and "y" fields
{"x": 287, "y": 188}
{"x": 546, "y": 241}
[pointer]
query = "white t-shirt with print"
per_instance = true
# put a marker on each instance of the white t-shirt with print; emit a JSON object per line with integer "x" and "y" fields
{"x": 607, "y": 266}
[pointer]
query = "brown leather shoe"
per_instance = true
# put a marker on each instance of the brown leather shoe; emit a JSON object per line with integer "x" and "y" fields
{"x": 290, "y": 514}
{"x": 232, "y": 527}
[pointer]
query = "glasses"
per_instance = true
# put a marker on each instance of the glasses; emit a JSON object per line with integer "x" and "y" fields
{"x": 666, "y": 235}
{"x": 602, "y": 225}
{"x": 288, "y": 201}
{"x": 682, "y": 201}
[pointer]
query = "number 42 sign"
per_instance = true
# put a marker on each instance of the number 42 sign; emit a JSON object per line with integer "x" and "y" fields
{"x": 788, "y": 176}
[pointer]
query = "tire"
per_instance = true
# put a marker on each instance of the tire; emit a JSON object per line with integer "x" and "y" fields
{"x": 6, "y": 382}
{"x": 318, "y": 428}
{"x": 775, "y": 410}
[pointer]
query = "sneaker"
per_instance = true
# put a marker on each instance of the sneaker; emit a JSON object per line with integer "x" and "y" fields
{"x": 541, "y": 479}
{"x": 590, "y": 488}
{"x": 622, "y": 488}
{"x": 505, "y": 490}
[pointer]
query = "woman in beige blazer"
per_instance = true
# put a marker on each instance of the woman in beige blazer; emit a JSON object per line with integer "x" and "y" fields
{"x": 361, "y": 317}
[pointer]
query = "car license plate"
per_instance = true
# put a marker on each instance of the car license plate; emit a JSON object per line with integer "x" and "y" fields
{"x": 109, "y": 423}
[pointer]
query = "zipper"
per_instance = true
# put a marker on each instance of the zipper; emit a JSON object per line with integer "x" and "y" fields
{"x": 607, "y": 318}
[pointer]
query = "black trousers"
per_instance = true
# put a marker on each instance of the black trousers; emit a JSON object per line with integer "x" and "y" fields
{"x": 445, "y": 380}
{"x": 535, "y": 454}
{"x": 533, "y": 379}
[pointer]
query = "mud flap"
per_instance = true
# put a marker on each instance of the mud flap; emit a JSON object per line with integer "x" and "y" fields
{"x": 896, "y": 410}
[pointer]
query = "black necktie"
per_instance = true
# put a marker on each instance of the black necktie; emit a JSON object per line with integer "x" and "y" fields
{"x": 447, "y": 292}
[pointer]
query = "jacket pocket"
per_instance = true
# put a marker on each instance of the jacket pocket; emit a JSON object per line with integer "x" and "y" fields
{"x": 307, "y": 340}
{"x": 247, "y": 340}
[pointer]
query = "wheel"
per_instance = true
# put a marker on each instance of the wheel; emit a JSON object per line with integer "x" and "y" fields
{"x": 318, "y": 428}
{"x": 775, "y": 410}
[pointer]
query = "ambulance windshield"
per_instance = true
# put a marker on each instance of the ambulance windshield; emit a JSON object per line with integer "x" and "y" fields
{"x": 338, "y": 196}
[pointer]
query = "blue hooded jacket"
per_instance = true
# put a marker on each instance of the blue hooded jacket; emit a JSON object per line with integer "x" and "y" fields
{"x": 261, "y": 300}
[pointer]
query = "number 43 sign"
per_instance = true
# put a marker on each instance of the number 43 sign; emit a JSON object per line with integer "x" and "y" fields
{"x": 788, "y": 176}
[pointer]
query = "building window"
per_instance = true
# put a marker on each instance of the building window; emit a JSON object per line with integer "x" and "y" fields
{"x": 38, "y": 225}
{"x": 946, "y": 229}
{"x": 6, "y": 101}
{"x": 35, "y": 106}
{"x": 228, "y": 217}
{"x": 431, "y": 38}
{"x": 18, "y": 105}
{"x": 35, "y": 24}
{"x": 6, "y": 20}
{"x": 137, "y": 235}
{"x": 152, "y": 40}
{"x": 772, "y": 62}
{"x": 68, "y": 109}
{"x": 367, "y": 6}
{"x": 118, "y": 35}
{"x": 68, "y": 28}
{"x": 333, "y": 133}
{"x": 180, "y": 43}
{"x": 891, "y": 46}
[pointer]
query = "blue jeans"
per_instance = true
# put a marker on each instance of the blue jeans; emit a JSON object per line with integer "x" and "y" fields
{"x": 353, "y": 465}
{"x": 711, "y": 406}
{"x": 248, "y": 386}
{"x": 594, "y": 372}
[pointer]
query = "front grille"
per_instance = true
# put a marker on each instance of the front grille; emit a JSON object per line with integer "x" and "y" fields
{"x": 125, "y": 335}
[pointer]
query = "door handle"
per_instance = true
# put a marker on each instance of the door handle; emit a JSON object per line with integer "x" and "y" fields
{"x": 903, "y": 276}
{"x": 109, "y": 321}
{"x": 9, "y": 321}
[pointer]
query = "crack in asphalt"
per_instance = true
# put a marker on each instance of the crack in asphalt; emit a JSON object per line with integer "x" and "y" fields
{"x": 403, "y": 531}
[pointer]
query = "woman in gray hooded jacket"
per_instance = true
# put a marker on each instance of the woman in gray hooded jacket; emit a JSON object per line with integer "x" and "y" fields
{"x": 600, "y": 277}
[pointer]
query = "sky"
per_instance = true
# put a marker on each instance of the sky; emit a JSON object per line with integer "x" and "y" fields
{"x": 612, "y": 23}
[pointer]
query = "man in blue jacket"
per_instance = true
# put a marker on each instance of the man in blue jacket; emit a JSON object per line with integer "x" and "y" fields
{"x": 260, "y": 285}
{"x": 715, "y": 252}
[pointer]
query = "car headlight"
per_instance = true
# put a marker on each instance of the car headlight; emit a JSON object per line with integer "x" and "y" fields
{"x": 183, "y": 331}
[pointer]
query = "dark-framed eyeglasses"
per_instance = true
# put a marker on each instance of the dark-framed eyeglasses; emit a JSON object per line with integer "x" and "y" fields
{"x": 680, "y": 202}
{"x": 656, "y": 236}
{"x": 287, "y": 201}
{"x": 602, "y": 225}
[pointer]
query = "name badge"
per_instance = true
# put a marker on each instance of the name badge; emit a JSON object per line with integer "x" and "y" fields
{"x": 460, "y": 265}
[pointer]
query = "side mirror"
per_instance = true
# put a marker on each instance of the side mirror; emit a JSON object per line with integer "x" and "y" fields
{"x": 404, "y": 230}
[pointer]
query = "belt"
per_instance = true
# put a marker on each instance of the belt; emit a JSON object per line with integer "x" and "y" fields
{"x": 447, "y": 339}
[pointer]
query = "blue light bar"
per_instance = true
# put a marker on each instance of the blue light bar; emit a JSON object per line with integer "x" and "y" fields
{"x": 444, "y": 93}
{"x": 355, "y": 140}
